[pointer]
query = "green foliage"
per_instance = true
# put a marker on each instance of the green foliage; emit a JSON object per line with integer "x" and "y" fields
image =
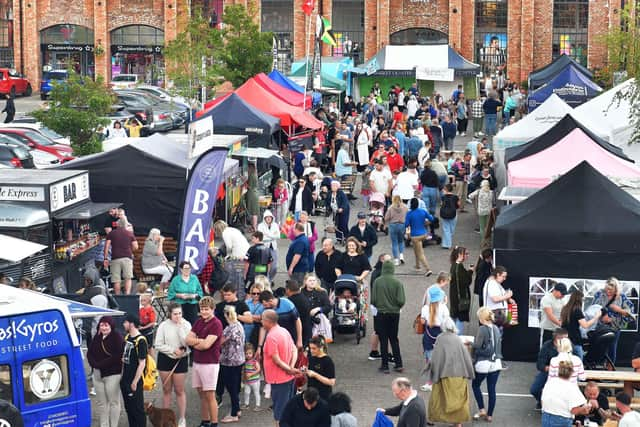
{"x": 184, "y": 57}
{"x": 77, "y": 108}
{"x": 623, "y": 47}
{"x": 246, "y": 51}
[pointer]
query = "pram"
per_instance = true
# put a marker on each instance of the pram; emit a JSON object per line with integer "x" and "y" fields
{"x": 596, "y": 348}
{"x": 376, "y": 211}
{"x": 350, "y": 307}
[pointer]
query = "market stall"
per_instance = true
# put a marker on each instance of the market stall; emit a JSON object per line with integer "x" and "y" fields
{"x": 50, "y": 208}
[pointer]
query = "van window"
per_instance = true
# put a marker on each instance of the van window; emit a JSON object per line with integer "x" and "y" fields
{"x": 45, "y": 379}
{"x": 5, "y": 383}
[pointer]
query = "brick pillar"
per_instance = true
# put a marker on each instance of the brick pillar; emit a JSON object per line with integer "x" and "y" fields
{"x": 102, "y": 38}
{"x": 543, "y": 40}
{"x": 599, "y": 11}
{"x": 455, "y": 24}
{"x": 370, "y": 46}
{"x": 382, "y": 24}
{"x": 467, "y": 26}
{"x": 17, "y": 41}
{"x": 327, "y": 12}
{"x": 31, "y": 42}
{"x": 514, "y": 36}
{"x": 527, "y": 28}
{"x": 299, "y": 29}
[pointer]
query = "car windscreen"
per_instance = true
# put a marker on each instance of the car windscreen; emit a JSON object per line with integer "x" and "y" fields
{"x": 49, "y": 133}
{"x": 123, "y": 78}
{"x": 56, "y": 75}
{"x": 39, "y": 139}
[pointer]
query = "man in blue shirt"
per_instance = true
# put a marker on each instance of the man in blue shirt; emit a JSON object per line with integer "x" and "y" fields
{"x": 288, "y": 316}
{"x": 344, "y": 165}
{"x": 298, "y": 254}
{"x": 400, "y": 136}
{"x": 415, "y": 220}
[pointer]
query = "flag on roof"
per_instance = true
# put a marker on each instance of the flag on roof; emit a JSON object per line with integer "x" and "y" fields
{"x": 324, "y": 32}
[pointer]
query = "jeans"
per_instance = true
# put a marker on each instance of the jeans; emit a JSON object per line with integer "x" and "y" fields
{"x": 280, "y": 395}
{"x": 538, "y": 384}
{"x": 232, "y": 376}
{"x": 549, "y": 420}
{"x": 107, "y": 398}
{"x": 448, "y": 143}
{"x": 312, "y": 259}
{"x": 490, "y": 124}
{"x": 133, "y": 403}
{"x": 430, "y": 198}
{"x": 448, "y": 228}
{"x": 388, "y": 334}
{"x": 459, "y": 326}
{"x": 613, "y": 349}
{"x": 578, "y": 351}
{"x": 396, "y": 233}
{"x": 492, "y": 380}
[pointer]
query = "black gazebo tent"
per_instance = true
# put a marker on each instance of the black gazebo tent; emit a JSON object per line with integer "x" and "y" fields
{"x": 234, "y": 116}
{"x": 542, "y": 75}
{"x": 579, "y": 229}
{"x": 555, "y": 134}
{"x": 148, "y": 176}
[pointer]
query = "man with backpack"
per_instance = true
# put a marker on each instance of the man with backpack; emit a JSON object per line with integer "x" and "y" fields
{"x": 134, "y": 360}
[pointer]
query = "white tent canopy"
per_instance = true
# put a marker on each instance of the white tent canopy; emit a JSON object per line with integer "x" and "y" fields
{"x": 533, "y": 125}
{"x": 15, "y": 250}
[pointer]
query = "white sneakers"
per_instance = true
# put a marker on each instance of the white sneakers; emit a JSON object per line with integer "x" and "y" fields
{"x": 182, "y": 422}
{"x": 396, "y": 262}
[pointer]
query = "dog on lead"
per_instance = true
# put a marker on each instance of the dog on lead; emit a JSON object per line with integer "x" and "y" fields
{"x": 160, "y": 417}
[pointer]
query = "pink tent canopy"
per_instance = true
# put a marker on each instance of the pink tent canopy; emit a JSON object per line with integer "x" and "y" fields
{"x": 539, "y": 169}
{"x": 287, "y": 95}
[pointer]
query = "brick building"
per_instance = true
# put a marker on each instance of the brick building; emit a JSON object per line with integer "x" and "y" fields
{"x": 107, "y": 37}
{"x": 525, "y": 34}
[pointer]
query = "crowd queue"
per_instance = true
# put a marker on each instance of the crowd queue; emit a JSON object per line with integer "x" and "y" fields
{"x": 263, "y": 341}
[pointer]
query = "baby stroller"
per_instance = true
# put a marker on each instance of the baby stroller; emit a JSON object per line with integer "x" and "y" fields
{"x": 596, "y": 348}
{"x": 350, "y": 307}
{"x": 376, "y": 212}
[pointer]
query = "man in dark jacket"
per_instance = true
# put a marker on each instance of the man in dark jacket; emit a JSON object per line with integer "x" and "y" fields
{"x": 547, "y": 352}
{"x": 303, "y": 306}
{"x": 411, "y": 411}
{"x": 306, "y": 409}
{"x": 483, "y": 271}
{"x": 365, "y": 234}
{"x": 388, "y": 297}
{"x": 302, "y": 199}
{"x": 326, "y": 262}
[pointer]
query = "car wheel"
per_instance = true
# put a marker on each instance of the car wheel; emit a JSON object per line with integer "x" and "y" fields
{"x": 28, "y": 91}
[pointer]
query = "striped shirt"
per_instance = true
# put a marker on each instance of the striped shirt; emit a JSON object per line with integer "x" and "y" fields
{"x": 578, "y": 368}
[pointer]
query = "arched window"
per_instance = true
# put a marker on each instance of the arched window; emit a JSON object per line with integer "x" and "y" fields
{"x": 137, "y": 35}
{"x": 491, "y": 35}
{"x": 277, "y": 17}
{"x": 419, "y": 36}
{"x": 570, "y": 29}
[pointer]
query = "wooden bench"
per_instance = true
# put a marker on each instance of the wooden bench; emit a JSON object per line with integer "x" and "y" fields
{"x": 170, "y": 245}
{"x": 635, "y": 402}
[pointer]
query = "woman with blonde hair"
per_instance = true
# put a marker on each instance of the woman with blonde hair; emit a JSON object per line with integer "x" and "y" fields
{"x": 488, "y": 362}
{"x": 153, "y": 259}
{"x": 320, "y": 306}
{"x": 394, "y": 219}
{"x": 231, "y": 360}
{"x": 565, "y": 354}
{"x": 618, "y": 311}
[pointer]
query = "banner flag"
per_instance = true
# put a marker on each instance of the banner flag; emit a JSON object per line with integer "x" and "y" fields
{"x": 307, "y": 7}
{"x": 199, "y": 202}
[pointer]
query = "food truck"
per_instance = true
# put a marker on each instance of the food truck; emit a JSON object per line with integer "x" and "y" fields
{"x": 53, "y": 208}
{"x": 42, "y": 371}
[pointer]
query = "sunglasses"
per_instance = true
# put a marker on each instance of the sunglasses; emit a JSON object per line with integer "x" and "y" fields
{"x": 255, "y": 293}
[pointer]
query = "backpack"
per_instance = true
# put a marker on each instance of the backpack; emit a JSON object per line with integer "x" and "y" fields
{"x": 150, "y": 373}
{"x": 448, "y": 208}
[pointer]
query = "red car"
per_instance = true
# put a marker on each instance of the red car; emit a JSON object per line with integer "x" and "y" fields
{"x": 40, "y": 142}
{"x": 14, "y": 83}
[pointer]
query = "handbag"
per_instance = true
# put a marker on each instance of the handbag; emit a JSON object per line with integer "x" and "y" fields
{"x": 464, "y": 304}
{"x": 418, "y": 326}
{"x": 512, "y": 316}
{"x": 302, "y": 362}
{"x": 323, "y": 327}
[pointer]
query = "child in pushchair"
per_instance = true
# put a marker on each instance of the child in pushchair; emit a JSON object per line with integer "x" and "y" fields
{"x": 346, "y": 302}
{"x": 376, "y": 211}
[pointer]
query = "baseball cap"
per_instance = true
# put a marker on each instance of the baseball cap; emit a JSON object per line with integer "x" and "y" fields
{"x": 132, "y": 318}
{"x": 560, "y": 287}
{"x": 362, "y": 215}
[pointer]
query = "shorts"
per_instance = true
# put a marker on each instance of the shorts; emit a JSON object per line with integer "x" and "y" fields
{"x": 205, "y": 376}
{"x": 280, "y": 395}
{"x": 121, "y": 268}
{"x": 376, "y": 325}
{"x": 166, "y": 364}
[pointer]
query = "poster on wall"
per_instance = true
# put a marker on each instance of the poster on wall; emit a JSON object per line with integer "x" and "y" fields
{"x": 493, "y": 53}
{"x": 541, "y": 286}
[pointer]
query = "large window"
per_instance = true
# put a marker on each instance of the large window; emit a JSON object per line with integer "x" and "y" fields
{"x": 491, "y": 36}
{"x": 6, "y": 33}
{"x": 137, "y": 35}
{"x": 277, "y": 17}
{"x": 419, "y": 36}
{"x": 348, "y": 27}
{"x": 570, "y": 29}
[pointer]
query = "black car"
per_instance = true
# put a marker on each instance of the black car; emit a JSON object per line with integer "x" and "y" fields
{"x": 139, "y": 107}
{"x": 175, "y": 113}
{"x": 14, "y": 154}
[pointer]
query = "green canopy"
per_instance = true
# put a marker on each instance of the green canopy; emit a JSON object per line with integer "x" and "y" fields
{"x": 327, "y": 80}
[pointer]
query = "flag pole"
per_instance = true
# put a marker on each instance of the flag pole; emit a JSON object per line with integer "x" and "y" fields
{"x": 306, "y": 65}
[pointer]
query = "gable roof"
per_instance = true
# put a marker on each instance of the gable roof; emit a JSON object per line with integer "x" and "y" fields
{"x": 542, "y": 75}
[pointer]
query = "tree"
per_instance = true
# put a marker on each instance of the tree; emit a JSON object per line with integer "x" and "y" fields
{"x": 184, "y": 56}
{"x": 77, "y": 108}
{"x": 246, "y": 51}
{"x": 623, "y": 47}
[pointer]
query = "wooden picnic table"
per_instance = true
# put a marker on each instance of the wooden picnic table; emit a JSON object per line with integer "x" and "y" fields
{"x": 625, "y": 377}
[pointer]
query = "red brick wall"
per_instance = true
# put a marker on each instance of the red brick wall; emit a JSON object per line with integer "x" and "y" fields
{"x": 103, "y": 38}
{"x": 468, "y": 25}
{"x": 455, "y": 24}
{"x": 599, "y": 11}
{"x": 434, "y": 14}
{"x": 514, "y": 39}
{"x": 543, "y": 33}
{"x": 526, "y": 40}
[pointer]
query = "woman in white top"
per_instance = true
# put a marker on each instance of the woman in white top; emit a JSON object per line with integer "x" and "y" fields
{"x": 173, "y": 353}
{"x": 485, "y": 204}
{"x": 235, "y": 242}
{"x": 271, "y": 232}
{"x": 432, "y": 316}
{"x": 153, "y": 259}
{"x": 562, "y": 399}
{"x": 118, "y": 131}
{"x": 565, "y": 353}
{"x": 495, "y": 296}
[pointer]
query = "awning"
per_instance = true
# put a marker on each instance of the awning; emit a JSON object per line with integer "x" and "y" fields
{"x": 15, "y": 250}
{"x": 13, "y": 215}
{"x": 79, "y": 310}
{"x": 86, "y": 210}
{"x": 271, "y": 156}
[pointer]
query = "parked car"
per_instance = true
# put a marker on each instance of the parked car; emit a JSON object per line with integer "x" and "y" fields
{"x": 12, "y": 82}
{"x": 40, "y": 128}
{"x": 14, "y": 155}
{"x": 177, "y": 112}
{"x": 139, "y": 107}
{"x": 50, "y": 78}
{"x": 124, "y": 81}
{"x": 163, "y": 94}
{"x": 35, "y": 140}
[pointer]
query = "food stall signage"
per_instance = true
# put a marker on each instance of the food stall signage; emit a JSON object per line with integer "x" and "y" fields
{"x": 69, "y": 192}
{"x": 21, "y": 194}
